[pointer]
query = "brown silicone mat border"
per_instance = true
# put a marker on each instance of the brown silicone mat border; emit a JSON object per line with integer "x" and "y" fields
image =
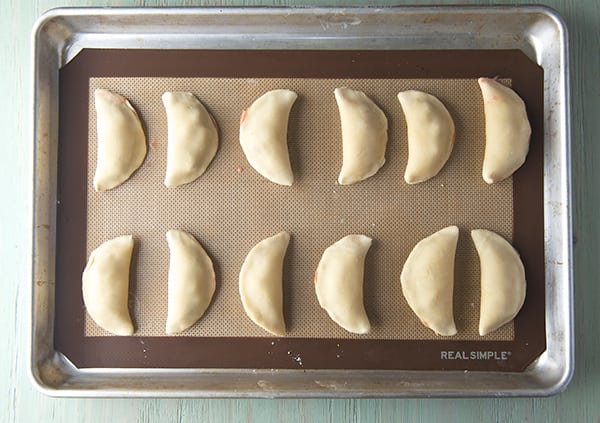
{"x": 187, "y": 352}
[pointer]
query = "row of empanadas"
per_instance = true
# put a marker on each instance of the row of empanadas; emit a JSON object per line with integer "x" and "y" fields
{"x": 338, "y": 283}
{"x": 428, "y": 280}
{"x": 191, "y": 283}
{"x": 105, "y": 283}
{"x": 431, "y": 134}
{"x": 193, "y": 136}
{"x": 192, "y": 133}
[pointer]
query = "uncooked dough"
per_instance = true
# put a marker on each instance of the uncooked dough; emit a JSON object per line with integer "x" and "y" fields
{"x": 507, "y": 131}
{"x": 193, "y": 138}
{"x": 105, "y": 285}
{"x": 364, "y": 135}
{"x": 121, "y": 140}
{"x": 261, "y": 279}
{"x": 339, "y": 282}
{"x": 428, "y": 280}
{"x": 263, "y": 135}
{"x": 503, "y": 282}
{"x": 191, "y": 281}
{"x": 430, "y": 135}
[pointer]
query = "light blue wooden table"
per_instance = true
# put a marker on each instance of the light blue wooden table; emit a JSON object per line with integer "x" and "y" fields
{"x": 19, "y": 401}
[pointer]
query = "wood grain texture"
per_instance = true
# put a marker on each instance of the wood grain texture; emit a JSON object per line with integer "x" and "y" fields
{"x": 20, "y": 402}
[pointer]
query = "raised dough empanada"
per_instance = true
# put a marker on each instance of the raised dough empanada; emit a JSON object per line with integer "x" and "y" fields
{"x": 428, "y": 280}
{"x": 261, "y": 287}
{"x": 507, "y": 131}
{"x": 339, "y": 282}
{"x": 191, "y": 281}
{"x": 193, "y": 138}
{"x": 263, "y": 135}
{"x": 121, "y": 140}
{"x": 364, "y": 135}
{"x": 430, "y": 135}
{"x": 502, "y": 280}
{"x": 105, "y": 285}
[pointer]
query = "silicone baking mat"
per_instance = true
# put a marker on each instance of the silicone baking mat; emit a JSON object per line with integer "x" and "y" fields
{"x": 231, "y": 208}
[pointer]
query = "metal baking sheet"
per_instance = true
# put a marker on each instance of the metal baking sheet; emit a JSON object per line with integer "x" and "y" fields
{"x": 61, "y": 35}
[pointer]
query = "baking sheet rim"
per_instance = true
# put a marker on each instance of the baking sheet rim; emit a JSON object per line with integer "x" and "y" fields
{"x": 42, "y": 353}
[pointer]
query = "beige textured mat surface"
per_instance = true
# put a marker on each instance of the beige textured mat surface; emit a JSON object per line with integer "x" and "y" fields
{"x": 231, "y": 207}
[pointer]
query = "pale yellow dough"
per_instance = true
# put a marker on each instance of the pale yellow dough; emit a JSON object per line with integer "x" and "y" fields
{"x": 261, "y": 283}
{"x": 191, "y": 281}
{"x": 339, "y": 283}
{"x": 428, "y": 280}
{"x": 507, "y": 131}
{"x": 430, "y": 135}
{"x": 193, "y": 138}
{"x": 121, "y": 140}
{"x": 263, "y": 135}
{"x": 503, "y": 282}
{"x": 105, "y": 285}
{"x": 364, "y": 135}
